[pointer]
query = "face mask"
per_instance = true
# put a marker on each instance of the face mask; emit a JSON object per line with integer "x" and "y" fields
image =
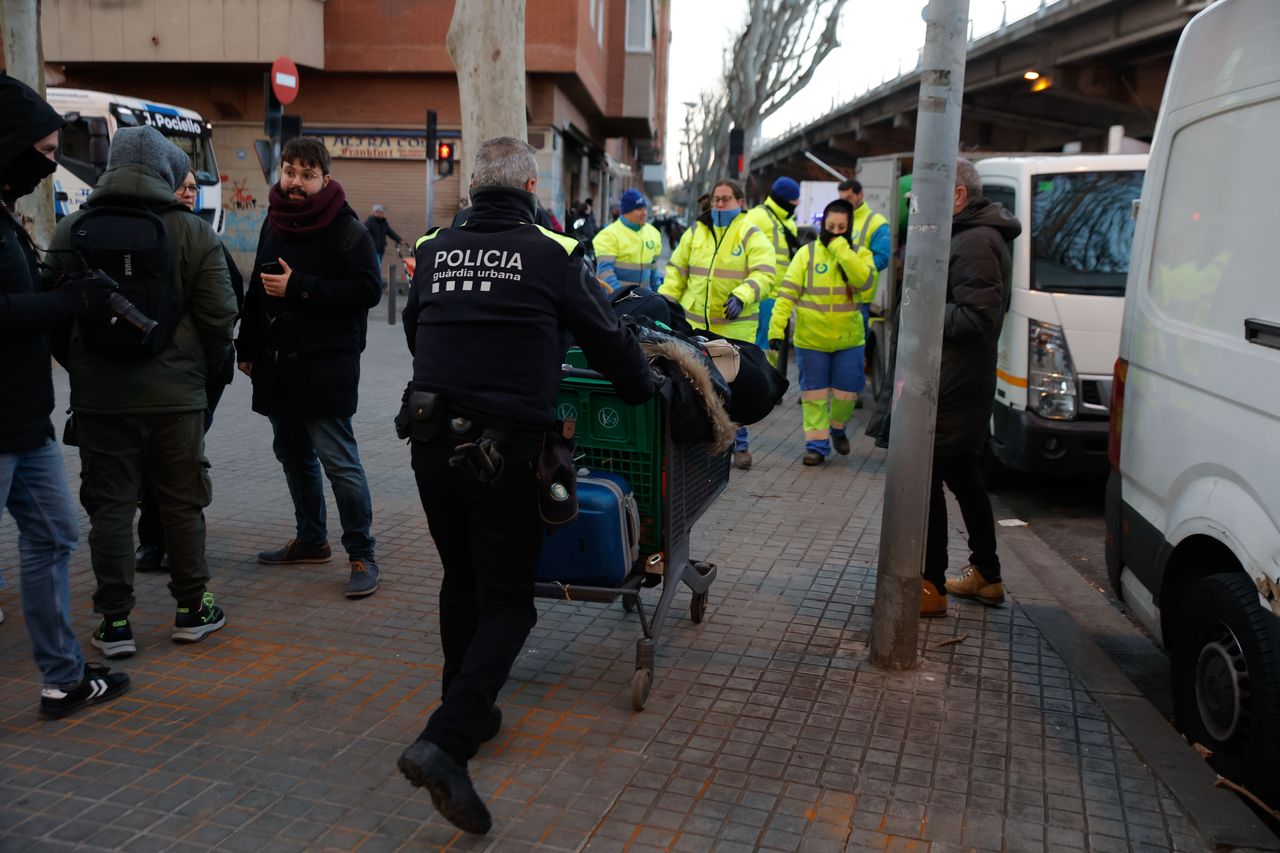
{"x": 634, "y": 226}
{"x": 722, "y": 218}
{"x": 26, "y": 172}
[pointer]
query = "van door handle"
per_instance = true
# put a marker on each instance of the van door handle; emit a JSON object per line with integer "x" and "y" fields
{"x": 1262, "y": 333}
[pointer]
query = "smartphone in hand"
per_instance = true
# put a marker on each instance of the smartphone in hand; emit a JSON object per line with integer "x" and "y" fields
{"x": 272, "y": 268}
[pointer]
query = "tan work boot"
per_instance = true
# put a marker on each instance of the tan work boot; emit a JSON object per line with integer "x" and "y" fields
{"x": 973, "y": 585}
{"x": 742, "y": 460}
{"x": 932, "y": 602}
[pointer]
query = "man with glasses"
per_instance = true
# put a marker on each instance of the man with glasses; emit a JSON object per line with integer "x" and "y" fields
{"x": 150, "y": 553}
{"x": 314, "y": 280}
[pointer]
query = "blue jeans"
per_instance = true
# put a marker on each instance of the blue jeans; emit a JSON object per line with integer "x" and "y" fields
{"x": 303, "y": 445}
{"x": 740, "y": 440}
{"x": 33, "y": 486}
{"x": 382, "y": 273}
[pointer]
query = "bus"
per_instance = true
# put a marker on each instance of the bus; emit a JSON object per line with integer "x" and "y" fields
{"x": 94, "y": 117}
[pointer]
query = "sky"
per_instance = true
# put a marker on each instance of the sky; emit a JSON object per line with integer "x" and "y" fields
{"x": 877, "y": 38}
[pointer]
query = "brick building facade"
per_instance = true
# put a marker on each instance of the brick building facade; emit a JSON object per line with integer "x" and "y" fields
{"x": 369, "y": 71}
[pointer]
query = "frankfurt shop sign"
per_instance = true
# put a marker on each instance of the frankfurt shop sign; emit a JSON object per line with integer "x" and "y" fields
{"x": 374, "y": 147}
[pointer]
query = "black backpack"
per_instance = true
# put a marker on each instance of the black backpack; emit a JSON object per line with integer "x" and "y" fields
{"x": 130, "y": 244}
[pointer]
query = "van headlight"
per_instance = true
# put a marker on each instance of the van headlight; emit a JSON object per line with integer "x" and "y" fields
{"x": 1051, "y": 378}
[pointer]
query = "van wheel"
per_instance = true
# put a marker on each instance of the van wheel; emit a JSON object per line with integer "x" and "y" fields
{"x": 1226, "y": 679}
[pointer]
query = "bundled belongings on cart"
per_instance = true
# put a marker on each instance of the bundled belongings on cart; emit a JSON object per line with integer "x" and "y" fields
{"x": 756, "y": 384}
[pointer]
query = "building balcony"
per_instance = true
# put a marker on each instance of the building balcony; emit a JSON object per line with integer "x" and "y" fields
{"x": 255, "y": 31}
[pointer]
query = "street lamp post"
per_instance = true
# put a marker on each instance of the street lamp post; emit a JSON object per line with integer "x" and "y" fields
{"x": 689, "y": 107}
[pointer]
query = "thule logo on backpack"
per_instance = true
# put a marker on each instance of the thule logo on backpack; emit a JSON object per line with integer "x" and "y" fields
{"x": 128, "y": 265}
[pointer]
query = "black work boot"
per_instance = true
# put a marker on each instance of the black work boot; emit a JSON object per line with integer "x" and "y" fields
{"x": 428, "y": 766}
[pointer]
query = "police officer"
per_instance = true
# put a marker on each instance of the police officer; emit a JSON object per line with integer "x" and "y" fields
{"x": 486, "y": 318}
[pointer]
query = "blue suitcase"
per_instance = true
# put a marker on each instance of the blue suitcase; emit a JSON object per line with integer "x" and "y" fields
{"x": 600, "y": 547}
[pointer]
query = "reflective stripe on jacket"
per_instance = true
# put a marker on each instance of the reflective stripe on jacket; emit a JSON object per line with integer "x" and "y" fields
{"x": 871, "y": 230}
{"x": 711, "y": 264}
{"x": 774, "y": 222}
{"x": 825, "y": 285}
{"x": 624, "y": 256}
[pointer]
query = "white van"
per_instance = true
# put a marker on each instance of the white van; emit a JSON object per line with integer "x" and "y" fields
{"x": 1193, "y": 503}
{"x": 94, "y": 117}
{"x": 1061, "y": 334}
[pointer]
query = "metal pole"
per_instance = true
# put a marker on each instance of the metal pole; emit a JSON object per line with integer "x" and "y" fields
{"x": 895, "y": 620}
{"x": 823, "y": 165}
{"x": 393, "y": 285}
{"x": 23, "y": 52}
{"x": 431, "y": 190}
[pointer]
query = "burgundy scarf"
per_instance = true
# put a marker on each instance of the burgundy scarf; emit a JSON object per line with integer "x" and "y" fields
{"x": 308, "y": 215}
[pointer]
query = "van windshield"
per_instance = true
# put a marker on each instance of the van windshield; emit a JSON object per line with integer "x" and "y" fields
{"x": 200, "y": 150}
{"x": 1082, "y": 231}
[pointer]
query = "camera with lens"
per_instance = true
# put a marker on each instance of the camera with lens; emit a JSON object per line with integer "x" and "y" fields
{"x": 124, "y": 313}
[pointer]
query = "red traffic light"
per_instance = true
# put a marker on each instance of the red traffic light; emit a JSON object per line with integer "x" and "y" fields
{"x": 444, "y": 150}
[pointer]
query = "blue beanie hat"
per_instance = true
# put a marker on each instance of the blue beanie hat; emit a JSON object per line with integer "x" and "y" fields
{"x": 631, "y": 199}
{"x": 786, "y": 189}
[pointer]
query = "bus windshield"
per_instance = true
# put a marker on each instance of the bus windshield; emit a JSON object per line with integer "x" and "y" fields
{"x": 1082, "y": 231}
{"x": 191, "y": 135}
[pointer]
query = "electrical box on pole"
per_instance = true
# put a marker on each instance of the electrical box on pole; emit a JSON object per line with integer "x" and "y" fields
{"x": 735, "y": 153}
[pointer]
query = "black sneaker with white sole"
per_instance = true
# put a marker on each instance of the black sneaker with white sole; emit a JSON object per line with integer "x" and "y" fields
{"x": 114, "y": 637}
{"x": 98, "y": 685}
{"x": 192, "y": 624}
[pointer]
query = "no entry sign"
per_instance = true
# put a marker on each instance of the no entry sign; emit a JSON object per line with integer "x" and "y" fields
{"x": 284, "y": 80}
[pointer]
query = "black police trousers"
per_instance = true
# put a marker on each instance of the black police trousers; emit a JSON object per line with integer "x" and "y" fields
{"x": 489, "y": 537}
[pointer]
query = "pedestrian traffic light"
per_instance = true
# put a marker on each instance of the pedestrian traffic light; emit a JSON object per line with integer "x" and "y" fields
{"x": 735, "y": 153}
{"x": 444, "y": 158}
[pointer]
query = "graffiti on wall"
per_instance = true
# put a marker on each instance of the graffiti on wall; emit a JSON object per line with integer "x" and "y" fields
{"x": 242, "y": 218}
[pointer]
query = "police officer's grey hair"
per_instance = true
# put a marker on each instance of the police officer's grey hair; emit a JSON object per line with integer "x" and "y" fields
{"x": 504, "y": 161}
{"x": 967, "y": 177}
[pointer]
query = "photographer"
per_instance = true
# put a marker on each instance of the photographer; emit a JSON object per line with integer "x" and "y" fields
{"x": 33, "y": 484}
{"x": 140, "y": 404}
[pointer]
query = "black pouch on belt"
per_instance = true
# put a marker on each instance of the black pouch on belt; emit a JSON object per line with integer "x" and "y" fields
{"x": 557, "y": 479}
{"x": 426, "y": 414}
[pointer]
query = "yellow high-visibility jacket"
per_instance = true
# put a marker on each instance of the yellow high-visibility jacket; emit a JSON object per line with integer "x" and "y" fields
{"x": 710, "y": 265}
{"x": 775, "y": 223}
{"x": 865, "y": 230}
{"x": 825, "y": 286}
{"x": 624, "y": 256}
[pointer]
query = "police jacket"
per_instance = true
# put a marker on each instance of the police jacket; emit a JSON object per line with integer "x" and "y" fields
{"x": 489, "y": 308}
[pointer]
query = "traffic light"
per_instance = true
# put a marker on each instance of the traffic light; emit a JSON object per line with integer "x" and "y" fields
{"x": 432, "y": 137}
{"x": 735, "y": 153}
{"x": 444, "y": 158}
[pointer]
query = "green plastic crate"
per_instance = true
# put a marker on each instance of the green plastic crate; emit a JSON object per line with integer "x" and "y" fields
{"x": 614, "y": 436}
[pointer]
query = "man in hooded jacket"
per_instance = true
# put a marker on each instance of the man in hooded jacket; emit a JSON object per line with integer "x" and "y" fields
{"x": 146, "y": 416}
{"x": 978, "y": 279}
{"x": 33, "y": 483}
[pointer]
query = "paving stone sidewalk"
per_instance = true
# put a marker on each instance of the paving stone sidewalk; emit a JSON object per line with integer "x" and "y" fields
{"x": 767, "y": 727}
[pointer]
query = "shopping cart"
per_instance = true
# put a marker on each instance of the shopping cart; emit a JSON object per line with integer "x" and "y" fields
{"x": 673, "y": 484}
{"x": 408, "y": 263}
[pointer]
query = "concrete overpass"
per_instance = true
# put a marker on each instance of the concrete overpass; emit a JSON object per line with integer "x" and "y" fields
{"x": 1100, "y": 63}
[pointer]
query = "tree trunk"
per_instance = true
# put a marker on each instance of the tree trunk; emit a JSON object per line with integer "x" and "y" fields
{"x": 486, "y": 43}
{"x": 24, "y": 57}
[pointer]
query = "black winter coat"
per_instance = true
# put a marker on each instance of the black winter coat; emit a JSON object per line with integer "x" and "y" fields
{"x": 380, "y": 229}
{"x": 978, "y": 280}
{"x": 26, "y": 382}
{"x": 305, "y": 346}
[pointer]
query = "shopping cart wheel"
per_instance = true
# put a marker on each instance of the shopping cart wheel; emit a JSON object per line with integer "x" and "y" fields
{"x": 628, "y": 604}
{"x": 641, "y": 684}
{"x": 698, "y": 607}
